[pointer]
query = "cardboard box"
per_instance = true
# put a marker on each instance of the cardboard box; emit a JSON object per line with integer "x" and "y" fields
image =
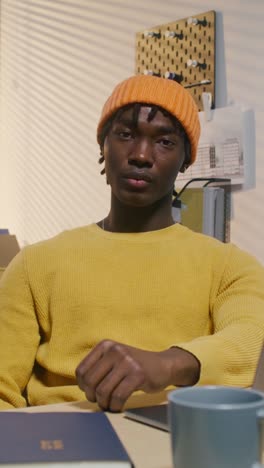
{"x": 8, "y": 249}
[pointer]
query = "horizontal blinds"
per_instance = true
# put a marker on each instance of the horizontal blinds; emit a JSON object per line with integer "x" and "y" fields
{"x": 59, "y": 60}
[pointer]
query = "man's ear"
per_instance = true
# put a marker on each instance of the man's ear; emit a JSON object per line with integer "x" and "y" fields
{"x": 184, "y": 167}
{"x": 101, "y": 160}
{"x": 187, "y": 156}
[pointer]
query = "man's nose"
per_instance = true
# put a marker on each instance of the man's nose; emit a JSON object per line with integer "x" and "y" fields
{"x": 142, "y": 154}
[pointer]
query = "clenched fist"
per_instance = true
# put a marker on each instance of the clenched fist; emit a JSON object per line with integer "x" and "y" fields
{"x": 112, "y": 371}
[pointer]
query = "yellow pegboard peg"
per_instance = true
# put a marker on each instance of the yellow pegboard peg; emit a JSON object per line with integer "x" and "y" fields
{"x": 195, "y": 21}
{"x": 171, "y": 34}
{"x": 150, "y": 34}
{"x": 173, "y": 76}
{"x": 151, "y": 73}
{"x": 194, "y": 63}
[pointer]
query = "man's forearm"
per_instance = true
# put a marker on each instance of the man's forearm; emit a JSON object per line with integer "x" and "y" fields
{"x": 185, "y": 367}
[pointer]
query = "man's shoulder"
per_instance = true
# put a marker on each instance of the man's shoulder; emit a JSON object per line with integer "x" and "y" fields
{"x": 206, "y": 246}
{"x": 195, "y": 239}
{"x": 61, "y": 241}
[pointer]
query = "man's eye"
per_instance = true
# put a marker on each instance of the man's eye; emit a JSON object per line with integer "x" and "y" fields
{"x": 125, "y": 135}
{"x": 167, "y": 143}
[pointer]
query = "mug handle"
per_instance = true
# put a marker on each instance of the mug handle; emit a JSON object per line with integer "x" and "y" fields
{"x": 260, "y": 422}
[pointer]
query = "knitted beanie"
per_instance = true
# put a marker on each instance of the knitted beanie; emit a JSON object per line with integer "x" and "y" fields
{"x": 162, "y": 92}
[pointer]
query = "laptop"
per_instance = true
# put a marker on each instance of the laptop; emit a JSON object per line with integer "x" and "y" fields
{"x": 157, "y": 415}
{"x": 258, "y": 383}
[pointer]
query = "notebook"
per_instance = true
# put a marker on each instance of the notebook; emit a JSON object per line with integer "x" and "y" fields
{"x": 157, "y": 415}
{"x": 40, "y": 440}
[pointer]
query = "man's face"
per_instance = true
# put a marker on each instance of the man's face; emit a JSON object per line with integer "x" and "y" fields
{"x": 142, "y": 161}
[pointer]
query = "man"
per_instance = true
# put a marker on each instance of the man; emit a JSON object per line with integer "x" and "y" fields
{"x": 134, "y": 302}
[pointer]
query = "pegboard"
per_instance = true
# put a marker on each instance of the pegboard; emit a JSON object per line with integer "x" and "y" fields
{"x": 183, "y": 50}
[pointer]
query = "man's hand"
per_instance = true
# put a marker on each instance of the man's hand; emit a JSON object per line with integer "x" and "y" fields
{"x": 112, "y": 371}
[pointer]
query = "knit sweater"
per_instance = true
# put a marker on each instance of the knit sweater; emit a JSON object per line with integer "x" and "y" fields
{"x": 151, "y": 290}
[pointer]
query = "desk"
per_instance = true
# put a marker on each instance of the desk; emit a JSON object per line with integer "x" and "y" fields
{"x": 147, "y": 447}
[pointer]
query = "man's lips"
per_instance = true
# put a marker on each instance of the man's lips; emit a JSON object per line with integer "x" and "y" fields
{"x": 137, "y": 180}
{"x": 137, "y": 183}
{"x": 138, "y": 176}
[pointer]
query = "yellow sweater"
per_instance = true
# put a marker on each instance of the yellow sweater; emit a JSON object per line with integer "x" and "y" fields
{"x": 58, "y": 298}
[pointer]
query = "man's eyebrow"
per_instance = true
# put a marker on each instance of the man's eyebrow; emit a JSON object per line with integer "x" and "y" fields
{"x": 167, "y": 130}
{"x": 125, "y": 121}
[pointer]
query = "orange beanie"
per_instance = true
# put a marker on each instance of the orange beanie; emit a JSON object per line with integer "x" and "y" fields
{"x": 162, "y": 92}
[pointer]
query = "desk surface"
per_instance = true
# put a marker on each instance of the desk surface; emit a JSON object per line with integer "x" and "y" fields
{"x": 147, "y": 447}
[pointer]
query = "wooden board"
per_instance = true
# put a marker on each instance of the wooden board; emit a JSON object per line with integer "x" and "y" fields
{"x": 163, "y": 54}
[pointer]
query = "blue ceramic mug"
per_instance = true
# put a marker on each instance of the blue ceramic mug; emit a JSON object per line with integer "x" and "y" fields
{"x": 214, "y": 426}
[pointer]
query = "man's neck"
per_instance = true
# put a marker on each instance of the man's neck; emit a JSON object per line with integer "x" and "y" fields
{"x": 124, "y": 218}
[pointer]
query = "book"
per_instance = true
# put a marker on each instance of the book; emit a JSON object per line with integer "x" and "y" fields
{"x": 60, "y": 440}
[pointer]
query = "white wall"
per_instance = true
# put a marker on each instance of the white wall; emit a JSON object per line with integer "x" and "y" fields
{"x": 59, "y": 61}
